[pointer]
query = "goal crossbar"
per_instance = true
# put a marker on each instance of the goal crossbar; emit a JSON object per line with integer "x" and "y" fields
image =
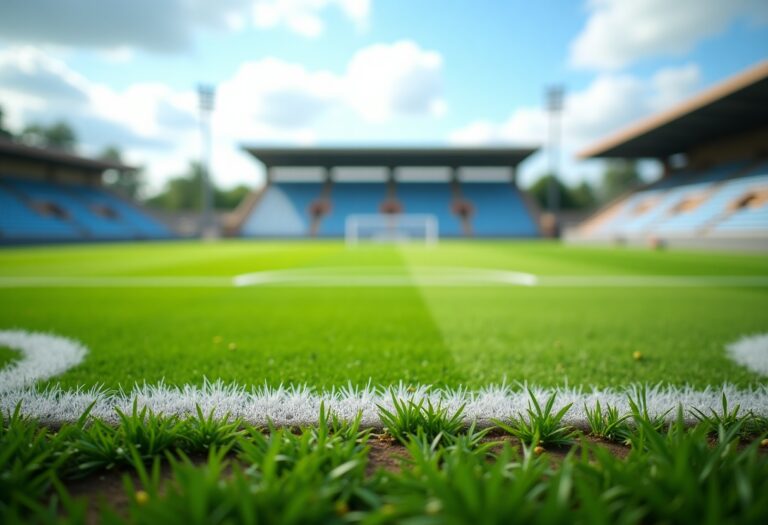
{"x": 390, "y": 228}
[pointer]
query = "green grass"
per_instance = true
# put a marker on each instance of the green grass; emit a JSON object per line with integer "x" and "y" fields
{"x": 7, "y": 356}
{"x": 324, "y": 474}
{"x": 464, "y": 336}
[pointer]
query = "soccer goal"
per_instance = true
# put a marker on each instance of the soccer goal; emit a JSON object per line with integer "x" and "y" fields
{"x": 391, "y": 228}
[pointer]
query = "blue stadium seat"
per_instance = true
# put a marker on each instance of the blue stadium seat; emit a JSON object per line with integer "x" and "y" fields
{"x": 349, "y": 198}
{"x": 134, "y": 218}
{"x": 655, "y": 209}
{"x": 499, "y": 210}
{"x": 90, "y": 213}
{"x": 19, "y": 221}
{"x": 747, "y": 220}
{"x": 69, "y": 200}
{"x": 433, "y": 198}
{"x": 283, "y": 210}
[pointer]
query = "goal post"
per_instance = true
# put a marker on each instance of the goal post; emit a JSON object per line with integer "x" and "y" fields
{"x": 391, "y": 228}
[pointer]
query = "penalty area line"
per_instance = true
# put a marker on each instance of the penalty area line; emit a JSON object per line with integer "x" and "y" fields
{"x": 45, "y": 356}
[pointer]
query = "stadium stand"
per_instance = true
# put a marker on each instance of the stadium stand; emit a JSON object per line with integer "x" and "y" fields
{"x": 720, "y": 198}
{"x": 499, "y": 210}
{"x": 48, "y": 195}
{"x": 19, "y": 221}
{"x": 348, "y": 198}
{"x": 434, "y": 198}
{"x": 285, "y": 208}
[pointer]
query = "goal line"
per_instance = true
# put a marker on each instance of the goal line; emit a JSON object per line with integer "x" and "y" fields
{"x": 391, "y": 228}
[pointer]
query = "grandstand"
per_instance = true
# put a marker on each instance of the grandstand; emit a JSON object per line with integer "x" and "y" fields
{"x": 311, "y": 192}
{"x": 718, "y": 197}
{"x": 48, "y": 196}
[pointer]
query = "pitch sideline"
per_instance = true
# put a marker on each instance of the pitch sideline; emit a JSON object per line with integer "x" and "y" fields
{"x": 46, "y": 355}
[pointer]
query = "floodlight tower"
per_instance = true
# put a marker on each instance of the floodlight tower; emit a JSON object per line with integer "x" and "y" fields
{"x": 555, "y": 95}
{"x": 208, "y": 226}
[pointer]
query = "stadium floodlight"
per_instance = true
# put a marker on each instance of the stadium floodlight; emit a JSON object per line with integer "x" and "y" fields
{"x": 555, "y": 97}
{"x": 208, "y": 222}
{"x": 391, "y": 228}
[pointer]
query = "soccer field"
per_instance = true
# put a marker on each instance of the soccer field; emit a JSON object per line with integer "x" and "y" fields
{"x": 315, "y": 383}
{"x": 322, "y": 314}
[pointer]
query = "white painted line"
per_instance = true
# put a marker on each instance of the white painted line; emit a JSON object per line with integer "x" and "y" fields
{"x": 42, "y": 356}
{"x": 386, "y": 276}
{"x": 301, "y": 404}
{"x": 115, "y": 282}
{"x": 751, "y": 352}
{"x": 667, "y": 281}
{"x": 46, "y": 355}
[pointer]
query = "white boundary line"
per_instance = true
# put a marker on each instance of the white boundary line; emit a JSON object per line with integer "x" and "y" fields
{"x": 300, "y": 405}
{"x": 751, "y": 352}
{"x": 115, "y": 282}
{"x": 388, "y": 277}
{"x": 43, "y": 356}
{"x": 630, "y": 281}
{"x": 46, "y": 355}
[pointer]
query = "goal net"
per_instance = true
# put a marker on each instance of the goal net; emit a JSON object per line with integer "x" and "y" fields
{"x": 391, "y": 228}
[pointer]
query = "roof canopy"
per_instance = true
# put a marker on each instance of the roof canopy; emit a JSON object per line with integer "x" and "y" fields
{"x": 411, "y": 157}
{"x": 15, "y": 150}
{"x": 738, "y": 105}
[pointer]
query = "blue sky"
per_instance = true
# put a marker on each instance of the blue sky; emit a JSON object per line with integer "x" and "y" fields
{"x": 361, "y": 71}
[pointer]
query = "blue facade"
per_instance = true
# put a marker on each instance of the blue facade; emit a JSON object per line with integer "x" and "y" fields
{"x": 82, "y": 212}
{"x": 703, "y": 203}
{"x": 283, "y": 209}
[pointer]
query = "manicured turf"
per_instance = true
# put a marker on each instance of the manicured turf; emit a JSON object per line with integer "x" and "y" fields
{"x": 7, "y": 356}
{"x": 327, "y": 336}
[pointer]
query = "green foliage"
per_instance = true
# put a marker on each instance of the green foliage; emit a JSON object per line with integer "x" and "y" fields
{"x": 58, "y": 135}
{"x": 321, "y": 474}
{"x": 578, "y": 197}
{"x": 29, "y": 457}
{"x": 129, "y": 182}
{"x": 5, "y": 133}
{"x": 642, "y": 419}
{"x": 619, "y": 177}
{"x": 185, "y": 193}
{"x": 140, "y": 434}
{"x": 201, "y": 432}
{"x": 727, "y": 419}
{"x": 540, "y": 425}
{"x": 409, "y": 418}
{"x": 181, "y": 193}
{"x": 231, "y": 198}
{"x": 281, "y": 477}
{"x": 607, "y": 423}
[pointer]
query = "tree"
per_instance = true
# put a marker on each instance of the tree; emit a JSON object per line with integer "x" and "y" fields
{"x": 229, "y": 199}
{"x": 59, "y": 135}
{"x": 182, "y": 193}
{"x": 619, "y": 176}
{"x": 576, "y": 198}
{"x": 583, "y": 196}
{"x": 129, "y": 182}
{"x": 4, "y": 132}
{"x": 185, "y": 193}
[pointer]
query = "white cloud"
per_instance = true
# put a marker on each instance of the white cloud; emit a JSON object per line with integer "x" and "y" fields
{"x": 268, "y": 100}
{"x": 620, "y": 32}
{"x": 164, "y": 26}
{"x": 304, "y": 16}
{"x": 383, "y": 80}
{"x": 608, "y": 103}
